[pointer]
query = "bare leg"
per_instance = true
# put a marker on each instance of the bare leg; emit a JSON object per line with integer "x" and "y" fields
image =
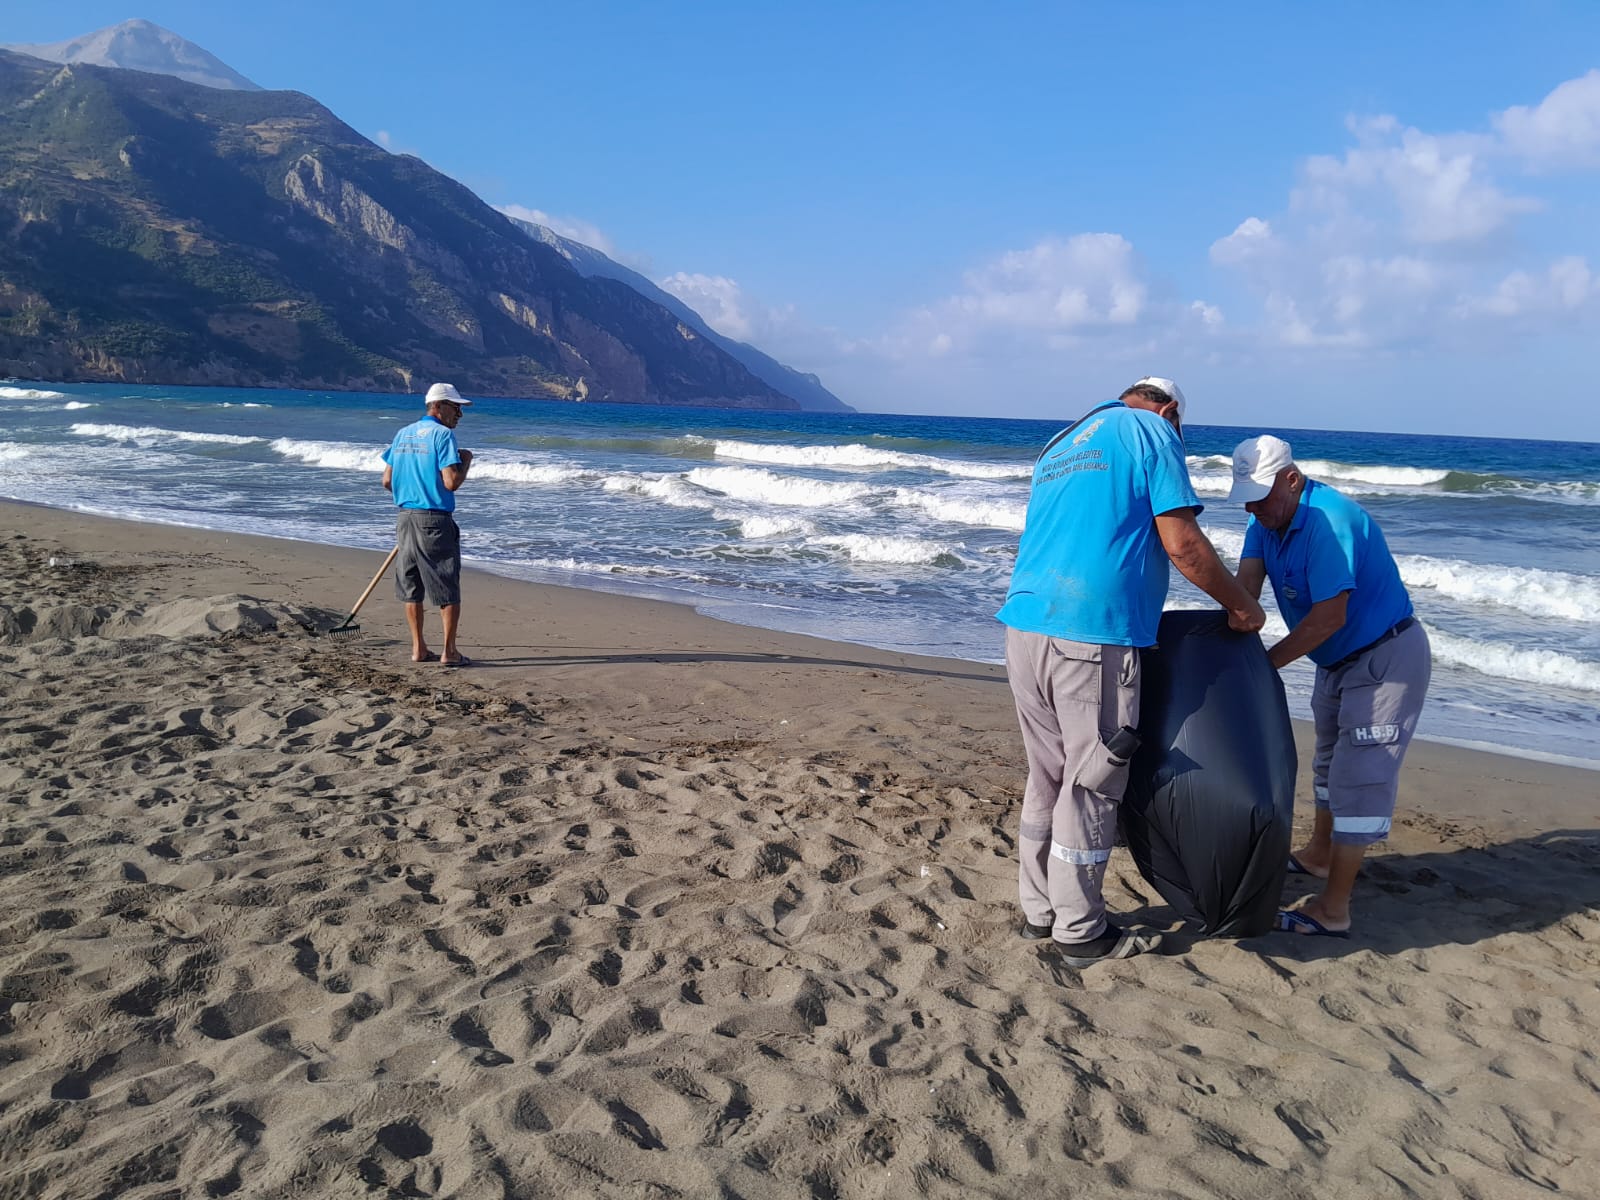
{"x": 1332, "y": 907}
{"x": 419, "y": 646}
{"x": 1317, "y": 855}
{"x": 451, "y": 613}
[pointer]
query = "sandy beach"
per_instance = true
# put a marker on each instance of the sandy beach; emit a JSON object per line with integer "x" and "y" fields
{"x": 645, "y": 904}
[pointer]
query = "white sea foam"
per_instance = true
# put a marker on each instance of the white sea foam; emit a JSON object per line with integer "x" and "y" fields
{"x": 151, "y": 433}
{"x": 74, "y": 405}
{"x": 522, "y": 472}
{"x": 857, "y": 455}
{"x": 16, "y": 393}
{"x": 1544, "y": 668}
{"x": 956, "y": 509}
{"x": 597, "y": 567}
{"x": 767, "y": 487}
{"x": 343, "y": 456}
{"x": 899, "y": 551}
{"x": 11, "y": 451}
{"x": 1229, "y": 542}
{"x": 1530, "y": 590}
{"x": 1560, "y": 492}
{"x": 1212, "y": 475}
{"x": 761, "y": 525}
{"x": 669, "y": 489}
{"x": 1383, "y": 477}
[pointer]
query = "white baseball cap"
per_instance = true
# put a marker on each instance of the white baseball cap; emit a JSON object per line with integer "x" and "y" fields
{"x": 1172, "y": 391}
{"x": 1256, "y": 463}
{"x": 445, "y": 393}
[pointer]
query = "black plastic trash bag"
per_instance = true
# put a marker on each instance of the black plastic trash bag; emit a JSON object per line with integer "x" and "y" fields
{"x": 1210, "y": 793}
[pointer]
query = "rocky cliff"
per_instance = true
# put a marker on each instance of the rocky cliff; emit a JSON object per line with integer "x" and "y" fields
{"x": 155, "y": 230}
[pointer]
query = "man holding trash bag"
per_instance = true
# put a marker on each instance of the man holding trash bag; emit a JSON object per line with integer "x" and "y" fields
{"x": 1340, "y": 593}
{"x": 1111, "y": 504}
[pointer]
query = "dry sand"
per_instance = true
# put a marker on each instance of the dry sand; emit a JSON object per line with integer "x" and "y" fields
{"x": 648, "y": 905}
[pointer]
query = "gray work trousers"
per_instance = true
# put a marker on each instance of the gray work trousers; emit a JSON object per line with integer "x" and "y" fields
{"x": 1070, "y": 696}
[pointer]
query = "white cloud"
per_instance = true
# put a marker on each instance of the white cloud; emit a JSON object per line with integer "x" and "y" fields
{"x": 1412, "y": 237}
{"x": 1057, "y": 284}
{"x": 719, "y": 300}
{"x": 1562, "y": 131}
{"x": 1437, "y": 187}
{"x": 777, "y": 330}
{"x": 1250, "y": 242}
{"x": 1046, "y": 298}
{"x": 1564, "y": 287}
{"x": 568, "y": 227}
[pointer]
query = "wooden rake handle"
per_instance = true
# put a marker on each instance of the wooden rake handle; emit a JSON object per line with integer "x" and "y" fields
{"x": 374, "y": 583}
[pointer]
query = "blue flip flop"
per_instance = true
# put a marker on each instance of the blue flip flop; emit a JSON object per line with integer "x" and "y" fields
{"x": 1296, "y": 867}
{"x": 1293, "y": 921}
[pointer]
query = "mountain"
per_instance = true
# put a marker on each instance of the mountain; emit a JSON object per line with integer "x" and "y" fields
{"x": 155, "y": 230}
{"x": 142, "y": 46}
{"x": 592, "y": 263}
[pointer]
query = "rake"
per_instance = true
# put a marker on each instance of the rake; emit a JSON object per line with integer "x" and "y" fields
{"x": 349, "y": 626}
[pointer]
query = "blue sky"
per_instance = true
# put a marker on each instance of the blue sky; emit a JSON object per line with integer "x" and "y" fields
{"x": 1359, "y": 215}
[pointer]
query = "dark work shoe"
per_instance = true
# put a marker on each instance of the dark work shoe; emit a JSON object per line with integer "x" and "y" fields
{"x": 1113, "y": 943}
{"x": 1036, "y": 933}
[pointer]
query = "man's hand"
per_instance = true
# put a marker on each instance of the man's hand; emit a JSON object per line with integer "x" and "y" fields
{"x": 1247, "y": 620}
{"x": 466, "y": 459}
{"x": 1193, "y": 554}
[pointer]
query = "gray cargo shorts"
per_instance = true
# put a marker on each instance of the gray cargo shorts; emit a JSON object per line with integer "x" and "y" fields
{"x": 428, "y": 566}
{"x": 1365, "y": 713}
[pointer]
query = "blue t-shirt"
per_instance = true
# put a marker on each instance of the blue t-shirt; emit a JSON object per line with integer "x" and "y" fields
{"x": 1332, "y": 546}
{"x": 417, "y": 454}
{"x": 1090, "y": 565}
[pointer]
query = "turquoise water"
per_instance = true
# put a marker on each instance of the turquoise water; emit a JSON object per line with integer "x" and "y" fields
{"x": 893, "y": 531}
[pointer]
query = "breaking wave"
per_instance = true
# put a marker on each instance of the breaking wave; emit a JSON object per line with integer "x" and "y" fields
{"x": 150, "y": 433}
{"x": 1544, "y": 668}
{"x": 343, "y": 456}
{"x": 897, "y": 551}
{"x": 1529, "y": 590}
{"x": 16, "y": 393}
{"x": 767, "y": 487}
{"x": 857, "y": 455}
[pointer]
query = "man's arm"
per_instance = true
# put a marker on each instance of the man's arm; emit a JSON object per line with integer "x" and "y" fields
{"x": 1324, "y": 620}
{"x": 1252, "y": 574}
{"x": 1194, "y": 555}
{"x": 455, "y": 476}
{"x": 388, "y": 478}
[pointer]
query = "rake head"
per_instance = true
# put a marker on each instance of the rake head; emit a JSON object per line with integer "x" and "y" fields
{"x": 345, "y": 630}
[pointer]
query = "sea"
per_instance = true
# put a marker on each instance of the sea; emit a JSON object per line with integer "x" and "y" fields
{"x": 892, "y": 531}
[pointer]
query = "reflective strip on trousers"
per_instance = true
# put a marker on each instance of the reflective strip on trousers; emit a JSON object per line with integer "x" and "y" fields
{"x": 1361, "y": 824}
{"x": 1078, "y": 858}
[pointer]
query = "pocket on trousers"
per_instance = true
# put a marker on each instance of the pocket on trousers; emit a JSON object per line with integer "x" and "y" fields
{"x": 1075, "y": 651}
{"x": 1103, "y": 773}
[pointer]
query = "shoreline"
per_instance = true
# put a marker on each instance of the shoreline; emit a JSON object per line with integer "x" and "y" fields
{"x": 646, "y": 903}
{"x": 695, "y": 606}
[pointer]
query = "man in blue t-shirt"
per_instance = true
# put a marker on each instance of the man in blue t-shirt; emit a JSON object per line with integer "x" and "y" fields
{"x": 1111, "y": 501}
{"x": 1340, "y": 593}
{"x": 423, "y": 467}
